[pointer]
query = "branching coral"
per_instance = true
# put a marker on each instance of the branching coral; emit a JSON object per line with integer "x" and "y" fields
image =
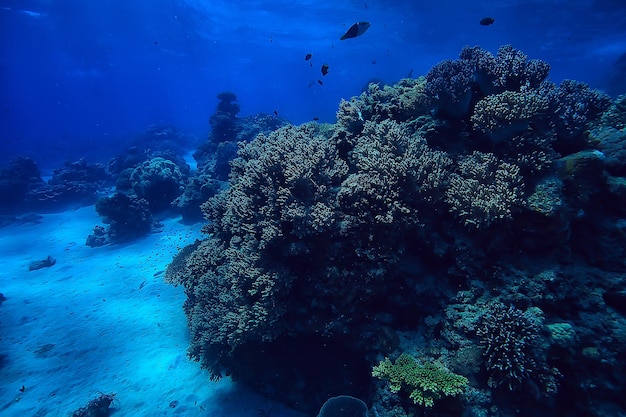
{"x": 484, "y": 190}
{"x": 575, "y": 105}
{"x": 393, "y": 170}
{"x": 509, "y": 70}
{"x": 448, "y": 84}
{"x": 510, "y": 113}
{"x": 513, "y": 349}
{"x": 425, "y": 383}
{"x": 271, "y": 195}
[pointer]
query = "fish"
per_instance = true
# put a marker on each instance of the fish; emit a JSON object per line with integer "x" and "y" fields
{"x": 316, "y": 118}
{"x": 355, "y": 30}
{"x": 324, "y": 69}
{"x": 486, "y": 21}
{"x": 320, "y": 82}
{"x": 275, "y": 112}
{"x": 308, "y": 56}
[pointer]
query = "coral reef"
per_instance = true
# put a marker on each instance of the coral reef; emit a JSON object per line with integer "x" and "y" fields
{"x": 77, "y": 183}
{"x": 126, "y": 218}
{"x": 17, "y": 179}
{"x": 416, "y": 223}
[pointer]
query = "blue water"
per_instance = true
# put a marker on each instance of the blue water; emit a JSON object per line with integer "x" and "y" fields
{"x": 78, "y": 77}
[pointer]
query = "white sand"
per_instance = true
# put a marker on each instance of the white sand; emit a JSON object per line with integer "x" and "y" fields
{"x": 99, "y": 321}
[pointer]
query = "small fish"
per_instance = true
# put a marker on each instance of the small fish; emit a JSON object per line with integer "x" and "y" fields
{"x": 374, "y": 61}
{"x": 486, "y": 21}
{"x": 320, "y": 82}
{"x": 355, "y": 30}
{"x": 23, "y": 388}
{"x": 316, "y": 118}
{"x": 308, "y": 56}
{"x": 324, "y": 69}
{"x": 275, "y": 112}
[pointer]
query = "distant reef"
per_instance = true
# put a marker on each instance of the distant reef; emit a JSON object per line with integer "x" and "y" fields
{"x": 75, "y": 184}
{"x": 454, "y": 245}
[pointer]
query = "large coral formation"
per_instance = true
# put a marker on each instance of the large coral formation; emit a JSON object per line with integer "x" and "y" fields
{"x": 433, "y": 187}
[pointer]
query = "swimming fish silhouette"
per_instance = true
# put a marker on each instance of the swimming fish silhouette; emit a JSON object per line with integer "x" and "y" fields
{"x": 355, "y": 30}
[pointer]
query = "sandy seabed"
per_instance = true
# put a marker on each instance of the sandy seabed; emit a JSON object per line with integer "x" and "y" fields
{"x": 102, "y": 320}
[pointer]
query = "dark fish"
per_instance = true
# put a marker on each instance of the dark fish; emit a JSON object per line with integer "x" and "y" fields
{"x": 308, "y": 56}
{"x": 275, "y": 112}
{"x": 316, "y": 118}
{"x": 355, "y": 30}
{"x": 486, "y": 21}
{"x": 23, "y": 388}
{"x": 320, "y": 82}
{"x": 324, "y": 69}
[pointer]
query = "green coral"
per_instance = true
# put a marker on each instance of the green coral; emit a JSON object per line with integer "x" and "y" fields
{"x": 427, "y": 383}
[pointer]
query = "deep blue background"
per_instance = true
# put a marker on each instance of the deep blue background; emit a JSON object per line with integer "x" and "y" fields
{"x": 78, "y": 77}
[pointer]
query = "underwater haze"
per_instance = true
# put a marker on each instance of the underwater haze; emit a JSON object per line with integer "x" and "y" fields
{"x": 303, "y": 208}
{"x": 78, "y": 76}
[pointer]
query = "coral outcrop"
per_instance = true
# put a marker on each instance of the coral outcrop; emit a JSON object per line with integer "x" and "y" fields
{"x": 159, "y": 181}
{"x": 414, "y": 224}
